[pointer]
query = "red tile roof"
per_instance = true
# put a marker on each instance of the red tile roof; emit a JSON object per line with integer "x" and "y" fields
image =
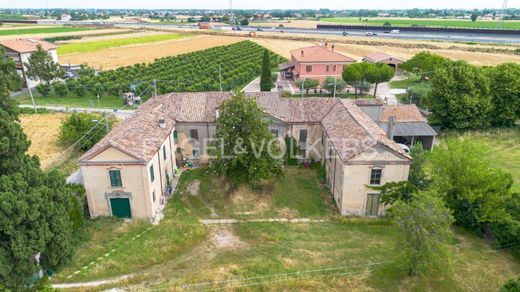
{"x": 319, "y": 54}
{"x": 26, "y": 45}
{"x": 141, "y": 135}
{"x": 404, "y": 113}
{"x": 378, "y": 57}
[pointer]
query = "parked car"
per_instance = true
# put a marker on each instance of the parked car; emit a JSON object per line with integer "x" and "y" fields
{"x": 405, "y": 147}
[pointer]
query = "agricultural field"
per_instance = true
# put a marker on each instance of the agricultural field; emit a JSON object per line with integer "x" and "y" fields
{"x": 41, "y": 30}
{"x": 43, "y": 131}
{"x": 144, "y": 53}
{"x": 358, "y": 47}
{"x": 238, "y": 64}
{"x": 465, "y": 23}
{"x": 337, "y": 254}
{"x": 99, "y": 45}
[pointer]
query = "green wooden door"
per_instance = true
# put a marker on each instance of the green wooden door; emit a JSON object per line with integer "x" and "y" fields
{"x": 372, "y": 208}
{"x": 121, "y": 207}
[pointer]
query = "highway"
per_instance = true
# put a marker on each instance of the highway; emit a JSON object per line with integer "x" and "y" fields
{"x": 440, "y": 36}
{"x": 437, "y": 36}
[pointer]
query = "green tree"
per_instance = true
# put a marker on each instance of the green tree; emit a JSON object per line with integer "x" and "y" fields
{"x": 332, "y": 83}
{"x": 396, "y": 191}
{"x": 505, "y": 94}
{"x": 244, "y": 21}
{"x": 78, "y": 125}
{"x": 379, "y": 73}
{"x": 418, "y": 176}
{"x": 477, "y": 193}
{"x": 35, "y": 208}
{"x": 307, "y": 84}
{"x": 423, "y": 64}
{"x": 424, "y": 232}
{"x": 9, "y": 81}
{"x": 265, "y": 78}
{"x": 355, "y": 75}
{"x": 474, "y": 17}
{"x": 41, "y": 67}
{"x": 245, "y": 150}
{"x": 459, "y": 97}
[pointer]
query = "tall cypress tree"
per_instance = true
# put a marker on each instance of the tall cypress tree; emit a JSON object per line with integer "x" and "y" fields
{"x": 37, "y": 208}
{"x": 265, "y": 78}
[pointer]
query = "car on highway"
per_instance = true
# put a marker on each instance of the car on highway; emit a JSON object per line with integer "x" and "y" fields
{"x": 345, "y": 33}
{"x": 259, "y": 29}
{"x": 369, "y": 33}
{"x": 395, "y": 31}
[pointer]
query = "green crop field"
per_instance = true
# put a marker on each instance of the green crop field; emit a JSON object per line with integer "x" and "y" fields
{"x": 105, "y": 44}
{"x": 22, "y": 31}
{"x": 463, "y": 23}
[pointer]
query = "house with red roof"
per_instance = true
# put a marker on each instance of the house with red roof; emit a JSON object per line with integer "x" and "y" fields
{"x": 20, "y": 50}
{"x": 315, "y": 62}
{"x": 383, "y": 58}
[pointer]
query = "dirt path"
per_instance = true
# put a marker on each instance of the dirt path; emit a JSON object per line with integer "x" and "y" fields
{"x": 287, "y": 220}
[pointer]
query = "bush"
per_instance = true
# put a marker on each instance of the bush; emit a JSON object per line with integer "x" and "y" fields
{"x": 512, "y": 285}
{"x": 79, "y": 124}
{"x": 60, "y": 88}
{"x": 44, "y": 89}
{"x": 517, "y": 51}
{"x": 506, "y": 234}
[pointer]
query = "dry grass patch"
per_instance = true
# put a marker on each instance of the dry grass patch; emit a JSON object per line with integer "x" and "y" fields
{"x": 43, "y": 130}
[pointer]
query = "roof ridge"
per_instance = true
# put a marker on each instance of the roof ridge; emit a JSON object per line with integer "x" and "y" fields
{"x": 357, "y": 122}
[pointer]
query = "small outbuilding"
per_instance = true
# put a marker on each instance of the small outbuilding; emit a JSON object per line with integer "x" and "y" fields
{"x": 383, "y": 58}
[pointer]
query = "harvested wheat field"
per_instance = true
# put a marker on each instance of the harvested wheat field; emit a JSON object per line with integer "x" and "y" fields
{"x": 123, "y": 56}
{"x": 77, "y": 33}
{"x": 404, "y": 50}
{"x": 43, "y": 131}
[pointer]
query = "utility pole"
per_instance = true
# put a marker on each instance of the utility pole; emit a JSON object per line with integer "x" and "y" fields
{"x": 30, "y": 93}
{"x": 335, "y": 84}
{"x": 303, "y": 83}
{"x": 220, "y": 77}
{"x": 154, "y": 88}
{"x": 106, "y": 123}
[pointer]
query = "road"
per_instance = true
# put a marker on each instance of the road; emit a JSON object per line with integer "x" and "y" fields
{"x": 440, "y": 36}
{"x": 120, "y": 114}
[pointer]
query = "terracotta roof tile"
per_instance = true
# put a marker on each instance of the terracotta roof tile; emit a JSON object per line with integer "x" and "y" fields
{"x": 319, "y": 54}
{"x": 140, "y": 136}
{"x": 26, "y": 45}
{"x": 378, "y": 56}
{"x": 403, "y": 113}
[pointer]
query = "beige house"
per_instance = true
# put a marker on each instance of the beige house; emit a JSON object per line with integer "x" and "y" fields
{"x": 355, "y": 150}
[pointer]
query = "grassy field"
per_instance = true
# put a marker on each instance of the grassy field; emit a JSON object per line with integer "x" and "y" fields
{"x": 425, "y": 22}
{"x": 503, "y": 149}
{"x": 42, "y": 30}
{"x": 295, "y": 194}
{"x": 73, "y": 101}
{"x": 340, "y": 254}
{"x": 95, "y": 46}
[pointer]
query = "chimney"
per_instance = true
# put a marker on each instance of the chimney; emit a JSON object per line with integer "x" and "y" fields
{"x": 332, "y": 47}
{"x": 390, "y": 129}
{"x": 302, "y": 53}
{"x": 162, "y": 123}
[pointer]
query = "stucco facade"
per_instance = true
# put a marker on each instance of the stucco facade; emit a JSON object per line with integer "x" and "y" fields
{"x": 147, "y": 148}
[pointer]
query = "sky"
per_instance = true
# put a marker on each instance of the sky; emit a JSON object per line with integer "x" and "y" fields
{"x": 258, "y": 4}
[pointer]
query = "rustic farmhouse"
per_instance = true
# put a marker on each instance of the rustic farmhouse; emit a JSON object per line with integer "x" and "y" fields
{"x": 128, "y": 173}
{"x": 383, "y": 58}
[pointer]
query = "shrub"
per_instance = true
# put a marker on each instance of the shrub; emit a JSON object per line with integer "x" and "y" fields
{"x": 44, "y": 89}
{"x": 512, "y": 285}
{"x": 517, "y": 51}
{"x": 60, "y": 88}
{"x": 79, "y": 124}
